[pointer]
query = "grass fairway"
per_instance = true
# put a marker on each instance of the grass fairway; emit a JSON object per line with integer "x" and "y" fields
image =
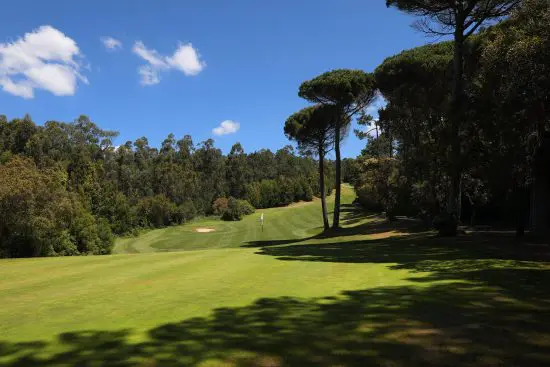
{"x": 371, "y": 294}
{"x": 296, "y": 221}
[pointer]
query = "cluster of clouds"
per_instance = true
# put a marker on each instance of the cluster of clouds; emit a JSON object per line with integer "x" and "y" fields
{"x": 47, "y": 59}
{"x": 185, "y": 59}
{"x": 42, "y": 59}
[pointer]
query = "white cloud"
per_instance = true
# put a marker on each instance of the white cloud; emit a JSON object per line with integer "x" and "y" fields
{"x": 149, "y": 75}
{"x": 226, "y": 127}
{"x": 111, "y": 43}
{"x": 44, "y": 58}
{"x": 185, "y": 59}
{"x": 151, "y": 56}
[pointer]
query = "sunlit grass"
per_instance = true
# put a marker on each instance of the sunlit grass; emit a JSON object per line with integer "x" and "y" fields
{"x": 370, "y": 294}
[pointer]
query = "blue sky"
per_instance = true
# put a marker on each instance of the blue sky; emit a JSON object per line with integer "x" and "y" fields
{"x": 202, "y": 62}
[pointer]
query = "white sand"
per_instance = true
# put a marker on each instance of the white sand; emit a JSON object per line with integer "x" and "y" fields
{"x": 204, "y": 230}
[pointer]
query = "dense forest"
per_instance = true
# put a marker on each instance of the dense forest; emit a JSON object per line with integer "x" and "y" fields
{"x": 464, "y": 133}
{"x": 463, "y": 138}
{"x": 65, "y": 189}
{"x": 500, "y": 146}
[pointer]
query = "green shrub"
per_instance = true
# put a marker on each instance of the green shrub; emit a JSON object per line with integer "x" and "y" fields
{"x": 156, "y": 211}
{"x": 237, "y": 209}
{"x": 187, "y": 211}
{"x": 307, "y": 191}
{"x": 253, "y": 194}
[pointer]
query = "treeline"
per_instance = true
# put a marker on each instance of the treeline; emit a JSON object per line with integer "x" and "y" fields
{"x": 500, "y": 148}
{"x": 65, "y": 189}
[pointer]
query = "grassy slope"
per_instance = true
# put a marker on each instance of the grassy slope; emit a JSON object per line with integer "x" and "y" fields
{"x": 44, "y": 297}
{"x": 296, "y": 221}
{"x": 355, "y": 298}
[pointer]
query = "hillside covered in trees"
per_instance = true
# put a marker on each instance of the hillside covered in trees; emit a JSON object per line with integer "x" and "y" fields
{"x": 499, "y": 145}
{"x": 66, "y": 190}
{"x": 463, "y": 138}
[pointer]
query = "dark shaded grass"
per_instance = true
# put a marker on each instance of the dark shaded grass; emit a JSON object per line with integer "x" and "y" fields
{"x": 485, "y": 302}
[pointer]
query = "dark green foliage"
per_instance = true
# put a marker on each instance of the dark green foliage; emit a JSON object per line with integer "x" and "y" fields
{"x": 314, "y": 129}
{"x": 237, "y": 209}
{"x": 344, "y": 88}
{"x": 348, "y": 92}
{"x": 156, "y": 211}
{"x": 279, "y": 192}
{"x": 379, "y": 184}
{"x": 74, "y": 188}
{"x": 502, "y": 134}
{"x": 253, "y": 194}
{"x": 38, "y": 217}
{"x": 459, "y": 19}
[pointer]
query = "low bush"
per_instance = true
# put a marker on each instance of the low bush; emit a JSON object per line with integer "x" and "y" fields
{"x": 237, "y": 209}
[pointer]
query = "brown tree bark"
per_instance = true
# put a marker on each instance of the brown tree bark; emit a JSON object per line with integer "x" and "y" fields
{"x": 336, "y": 217}
{"x": 322, "y": 188}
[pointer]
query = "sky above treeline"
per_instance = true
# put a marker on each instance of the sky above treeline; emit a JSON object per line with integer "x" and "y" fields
{"x": 227, "y": 70}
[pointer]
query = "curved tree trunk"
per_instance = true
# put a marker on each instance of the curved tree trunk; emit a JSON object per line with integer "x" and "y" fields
{"x": 322, "y": 188}
{"x": 336, "y": 220}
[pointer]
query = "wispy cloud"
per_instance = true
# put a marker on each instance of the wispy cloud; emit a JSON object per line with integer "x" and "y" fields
{"x": 111, "y": 43}
{"x": 44, "y": 58}
{"x": 226, "y": 127}
{"x": 185, "y": 59}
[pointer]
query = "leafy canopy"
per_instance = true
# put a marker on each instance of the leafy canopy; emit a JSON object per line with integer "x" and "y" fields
{"x": 312, "y": 127}
{"x": 446, "y": 17}
{"x": 350, "y": 90}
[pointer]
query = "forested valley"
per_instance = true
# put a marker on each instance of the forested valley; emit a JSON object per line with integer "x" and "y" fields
{"x": 462, "y": 139}
{"x": 65, "y": 189}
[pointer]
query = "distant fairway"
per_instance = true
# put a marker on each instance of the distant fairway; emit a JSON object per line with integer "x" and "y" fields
{"x": 298, "y": 220}
{"x": 372, "y": 294}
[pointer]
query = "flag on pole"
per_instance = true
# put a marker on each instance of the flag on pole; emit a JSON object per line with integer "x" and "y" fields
{"x": 262, "y": 221}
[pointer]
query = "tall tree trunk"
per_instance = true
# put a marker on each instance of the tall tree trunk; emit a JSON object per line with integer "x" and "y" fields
{"x": 459, "y": 201}
{"x": 336, "y": 218}
{"x": 520, "y": 196}
{"x": 540, "y": 199}
{"x": 322, "y": 188}
{"x": 456, "y": 119}
{"x": 539, "y": 206}
{"x": 390, "y": 139}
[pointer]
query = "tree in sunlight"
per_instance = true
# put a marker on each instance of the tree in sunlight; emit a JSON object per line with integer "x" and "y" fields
{"x": 349, "y": 91}
{"x": 314, "y": 129}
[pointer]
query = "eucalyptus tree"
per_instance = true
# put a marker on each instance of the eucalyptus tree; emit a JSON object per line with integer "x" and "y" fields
{"x": 349, "y": 91}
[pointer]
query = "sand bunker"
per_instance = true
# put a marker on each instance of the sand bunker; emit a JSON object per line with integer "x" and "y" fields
{"x": 204, "y": 230}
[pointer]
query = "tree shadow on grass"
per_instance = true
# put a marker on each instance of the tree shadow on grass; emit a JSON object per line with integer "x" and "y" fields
{"x": 493, "y": 308}
{"x": 451, "y": 324}
{"x": 481, "y": 300}
{"x": 410, "y": 251}
{"x": 375, "y": 226}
